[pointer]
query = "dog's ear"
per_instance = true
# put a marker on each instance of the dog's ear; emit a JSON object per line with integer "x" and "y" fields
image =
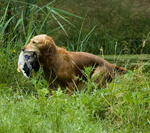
{"x": 49, "y": 41}
{"x": 46, "y": 50}
{"x": 48, "y": 47}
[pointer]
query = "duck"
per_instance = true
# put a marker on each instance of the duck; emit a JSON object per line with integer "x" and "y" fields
{"x": 27, "y": 62}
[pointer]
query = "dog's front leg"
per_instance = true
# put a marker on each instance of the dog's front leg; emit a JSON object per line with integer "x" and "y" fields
{"x": 71, "y": 86}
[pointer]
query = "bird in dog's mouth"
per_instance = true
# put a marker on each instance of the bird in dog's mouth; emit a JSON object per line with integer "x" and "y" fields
{"x": 27, "y": 62}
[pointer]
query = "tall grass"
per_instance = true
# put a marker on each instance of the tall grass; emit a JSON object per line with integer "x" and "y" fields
{"x": 115, "y": 21}
{"x": 21, "y": 19}
{"x": 123, "y": 106}
{"x": 118, "y": 21}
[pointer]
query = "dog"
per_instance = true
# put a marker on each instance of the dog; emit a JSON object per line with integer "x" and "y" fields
{"x": 62, "y": 68}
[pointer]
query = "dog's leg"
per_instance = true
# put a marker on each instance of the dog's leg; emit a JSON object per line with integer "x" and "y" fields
{"x": 72, "y": 85}
{"x": 101, "y": 76}
{"x": 71, "y": 88}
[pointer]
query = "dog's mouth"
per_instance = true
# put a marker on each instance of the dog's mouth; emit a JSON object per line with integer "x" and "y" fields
{"x": 32, "y": 52}
{"x": 30, "y": 56}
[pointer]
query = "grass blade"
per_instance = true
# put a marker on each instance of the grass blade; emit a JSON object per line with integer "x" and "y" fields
{"x": 19, "y": 21}
{"x": 66, "y": 13}
{"x": 87, "y": 37}
{"x": 89, "y": 33}
{"x": 4, "y": 27}
{"x": 62, "y": 17}
{"x": 41, "y": 8}
{"x": 30, "y": 24}
{"x": 27, "y": 40}
{"x": 44, "y": 20}
{"x": 59, "y": 23}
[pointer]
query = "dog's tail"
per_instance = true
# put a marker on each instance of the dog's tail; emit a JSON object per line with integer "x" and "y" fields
{"x": 119, "y": 70}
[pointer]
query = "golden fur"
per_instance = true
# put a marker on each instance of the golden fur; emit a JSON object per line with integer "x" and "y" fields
{"x": 61, "y": 67}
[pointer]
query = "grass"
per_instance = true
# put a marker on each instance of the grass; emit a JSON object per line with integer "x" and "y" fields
{"x": 121, "y": 26}
{"x": 123, "y": 106}
{"x": 129, "y": 61}
{"x": 112, "y": 25}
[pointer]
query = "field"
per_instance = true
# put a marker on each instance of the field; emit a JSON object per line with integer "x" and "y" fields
{"x": 123, "y": 106}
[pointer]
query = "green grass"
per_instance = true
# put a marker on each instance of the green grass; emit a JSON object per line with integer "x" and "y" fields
{"x": 121, "y": 26}
{"x": 123, "y": 106}
{"x": 140, "y": 61}
{"x": 112, "y": 25}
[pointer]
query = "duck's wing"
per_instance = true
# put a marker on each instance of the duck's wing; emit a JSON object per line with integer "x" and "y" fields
{"x": 27, "y": 70}
{"x": 21, "y": 61}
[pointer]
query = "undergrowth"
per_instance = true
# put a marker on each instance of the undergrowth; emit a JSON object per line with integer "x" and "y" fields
{"x": 123, "y": 106}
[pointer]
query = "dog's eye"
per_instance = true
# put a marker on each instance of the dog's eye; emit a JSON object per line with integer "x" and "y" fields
{"x": 33, "y": 42}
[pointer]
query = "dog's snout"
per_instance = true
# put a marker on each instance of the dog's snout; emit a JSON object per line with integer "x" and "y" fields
{"x": 23, "y": 49}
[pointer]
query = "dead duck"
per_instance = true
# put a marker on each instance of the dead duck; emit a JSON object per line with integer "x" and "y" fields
{"x": 28, "y": 61}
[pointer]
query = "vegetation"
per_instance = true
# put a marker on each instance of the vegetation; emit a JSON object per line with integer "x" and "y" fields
{"x": 123, "y": 106}
{"x": 121, "y": 26}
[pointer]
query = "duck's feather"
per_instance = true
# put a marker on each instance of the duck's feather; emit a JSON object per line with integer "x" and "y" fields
{"x": 27, "y": 62}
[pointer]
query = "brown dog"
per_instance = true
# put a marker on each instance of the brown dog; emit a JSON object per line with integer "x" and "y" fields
{"x": 62, "y": 67}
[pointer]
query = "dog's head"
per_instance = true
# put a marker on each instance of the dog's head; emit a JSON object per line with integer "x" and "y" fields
{"x": 43, "y": 45}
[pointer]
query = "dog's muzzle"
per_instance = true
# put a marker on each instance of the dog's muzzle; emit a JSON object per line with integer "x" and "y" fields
{"x": 23, "y": 49}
